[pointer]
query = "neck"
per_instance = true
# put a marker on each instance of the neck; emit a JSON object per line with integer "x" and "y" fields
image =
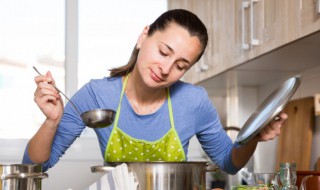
{"x": 144, "y": 100}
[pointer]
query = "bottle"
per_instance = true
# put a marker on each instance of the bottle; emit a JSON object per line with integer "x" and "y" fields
{"x": 288, "y": 176}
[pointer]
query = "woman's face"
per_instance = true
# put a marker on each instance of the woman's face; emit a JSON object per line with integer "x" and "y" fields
{"x": 166, "y": 55}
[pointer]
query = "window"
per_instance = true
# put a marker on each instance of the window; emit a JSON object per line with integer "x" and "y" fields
{"x": 31, "y": 34}
{"x": 108, "y": 31}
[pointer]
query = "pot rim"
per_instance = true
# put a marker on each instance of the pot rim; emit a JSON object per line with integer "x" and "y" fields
{"x": 160, "y": 162}
{"x": 28, "y": 165}
{"x": 108, "y": 166}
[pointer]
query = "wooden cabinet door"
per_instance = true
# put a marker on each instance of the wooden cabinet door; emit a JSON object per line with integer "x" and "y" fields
{"x": 291, "y": 20}
{"x": 258, "y": 28}
{"x": 247, "y": 26}
{"x": 310, "y": 16}
{"x": 264, "y": 25}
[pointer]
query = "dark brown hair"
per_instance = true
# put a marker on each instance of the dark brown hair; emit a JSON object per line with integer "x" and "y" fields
{"x": 183, "y": 18}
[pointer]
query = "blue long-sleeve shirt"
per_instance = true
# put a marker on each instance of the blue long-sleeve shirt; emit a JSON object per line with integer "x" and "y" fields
{"x": 193, "y": 114}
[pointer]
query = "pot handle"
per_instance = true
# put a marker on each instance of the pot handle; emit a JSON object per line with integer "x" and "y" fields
{"x": 212, "y": 168}
{"x": 24, "y": 175}
{"x": 101, "y": 169}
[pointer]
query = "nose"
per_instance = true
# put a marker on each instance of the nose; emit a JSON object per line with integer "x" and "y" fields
{"x": 166, "y": 66}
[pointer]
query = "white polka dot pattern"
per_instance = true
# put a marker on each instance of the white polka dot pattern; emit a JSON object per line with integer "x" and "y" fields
{"x": 124, "y": 148}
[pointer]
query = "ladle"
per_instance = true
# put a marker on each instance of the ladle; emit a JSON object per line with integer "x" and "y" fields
{"x": 97, "y": 118}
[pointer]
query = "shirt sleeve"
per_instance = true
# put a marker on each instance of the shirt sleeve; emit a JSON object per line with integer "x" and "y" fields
{"x": 212, "y": 137}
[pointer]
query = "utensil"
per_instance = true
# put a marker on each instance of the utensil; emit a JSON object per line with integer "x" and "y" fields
{"x": 97, "y": 118}
{"x": 268, "y": 109}
{"x": 165, "y": 175}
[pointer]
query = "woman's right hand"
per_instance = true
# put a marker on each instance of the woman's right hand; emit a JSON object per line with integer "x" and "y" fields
{"x": 48, "y": 98}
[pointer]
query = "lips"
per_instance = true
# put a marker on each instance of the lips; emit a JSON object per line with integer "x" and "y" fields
{"x": 155, "y": 77}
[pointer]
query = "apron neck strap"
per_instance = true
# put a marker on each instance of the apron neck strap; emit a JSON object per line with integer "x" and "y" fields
{"x": 170, "y": 108}
{"x": 119, "y": 106}
{"x": 122, "y": 93}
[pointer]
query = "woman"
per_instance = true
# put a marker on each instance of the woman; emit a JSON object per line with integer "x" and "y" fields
{"x": 157, "y": 114}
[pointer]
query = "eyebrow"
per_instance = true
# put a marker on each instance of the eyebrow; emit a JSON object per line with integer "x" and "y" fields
{"x": 181, "y": 59}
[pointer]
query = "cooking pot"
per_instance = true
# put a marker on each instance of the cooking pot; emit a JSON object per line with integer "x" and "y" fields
{"x": 21, "y": 177}
{"x": 165, "y": 175}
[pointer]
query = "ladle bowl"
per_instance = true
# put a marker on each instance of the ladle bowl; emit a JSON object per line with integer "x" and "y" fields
{"x": 97, "y": 118}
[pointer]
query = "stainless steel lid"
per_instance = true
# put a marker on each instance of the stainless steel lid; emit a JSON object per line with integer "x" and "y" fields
{"x": 268, "y": 109}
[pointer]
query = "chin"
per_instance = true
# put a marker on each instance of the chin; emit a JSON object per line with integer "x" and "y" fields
{"x": 153, "y": 84}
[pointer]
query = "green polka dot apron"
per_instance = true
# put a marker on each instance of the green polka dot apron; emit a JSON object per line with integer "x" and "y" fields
{"x": 122, "y": 147}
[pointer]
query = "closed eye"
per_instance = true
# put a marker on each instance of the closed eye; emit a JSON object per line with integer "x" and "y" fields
{"x": 179, "y": 68}
{"x": 163, "y": 54}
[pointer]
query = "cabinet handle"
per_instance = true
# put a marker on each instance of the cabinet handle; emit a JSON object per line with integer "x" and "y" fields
{"x": 245, "y": 4}
{"x": 254, "y": 41}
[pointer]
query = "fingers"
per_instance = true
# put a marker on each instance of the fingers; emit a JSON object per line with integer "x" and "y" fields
{"x": 50, "y": 78}
{"x": 45, "y": 90}
{"x": 283, "y": 116}
{"x": 269, "y": 132}
{"x": 45, "y": 99}
{"x": 273, "y": 129}
{"x": 43, "y": 78}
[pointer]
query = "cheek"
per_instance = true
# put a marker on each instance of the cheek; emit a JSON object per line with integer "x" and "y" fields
{"x": 175, "y": 75}
{"x": 142, "y": 59}
{"x": 148, "y": 59}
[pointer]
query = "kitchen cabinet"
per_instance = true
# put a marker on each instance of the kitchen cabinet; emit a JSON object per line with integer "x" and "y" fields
{"x": 258, "y": 28}
{"x": 214, "y": 15}
{"x": 242, "y": 30}
{"x": 310, "y": 16}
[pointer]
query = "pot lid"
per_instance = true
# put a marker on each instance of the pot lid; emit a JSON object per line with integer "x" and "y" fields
{"x": 268, "y": 109}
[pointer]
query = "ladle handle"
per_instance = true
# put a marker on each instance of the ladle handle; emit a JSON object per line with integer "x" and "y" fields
{"x": 74, "y": 106}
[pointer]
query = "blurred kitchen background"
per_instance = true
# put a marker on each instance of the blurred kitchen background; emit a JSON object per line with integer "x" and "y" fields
{"x": 254, "y": 46}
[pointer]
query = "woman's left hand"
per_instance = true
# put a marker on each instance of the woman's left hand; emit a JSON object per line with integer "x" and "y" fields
{"x": 273, "y": 129}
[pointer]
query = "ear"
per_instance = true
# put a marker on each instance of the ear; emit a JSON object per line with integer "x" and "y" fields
{"x": 142, "y": 37}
